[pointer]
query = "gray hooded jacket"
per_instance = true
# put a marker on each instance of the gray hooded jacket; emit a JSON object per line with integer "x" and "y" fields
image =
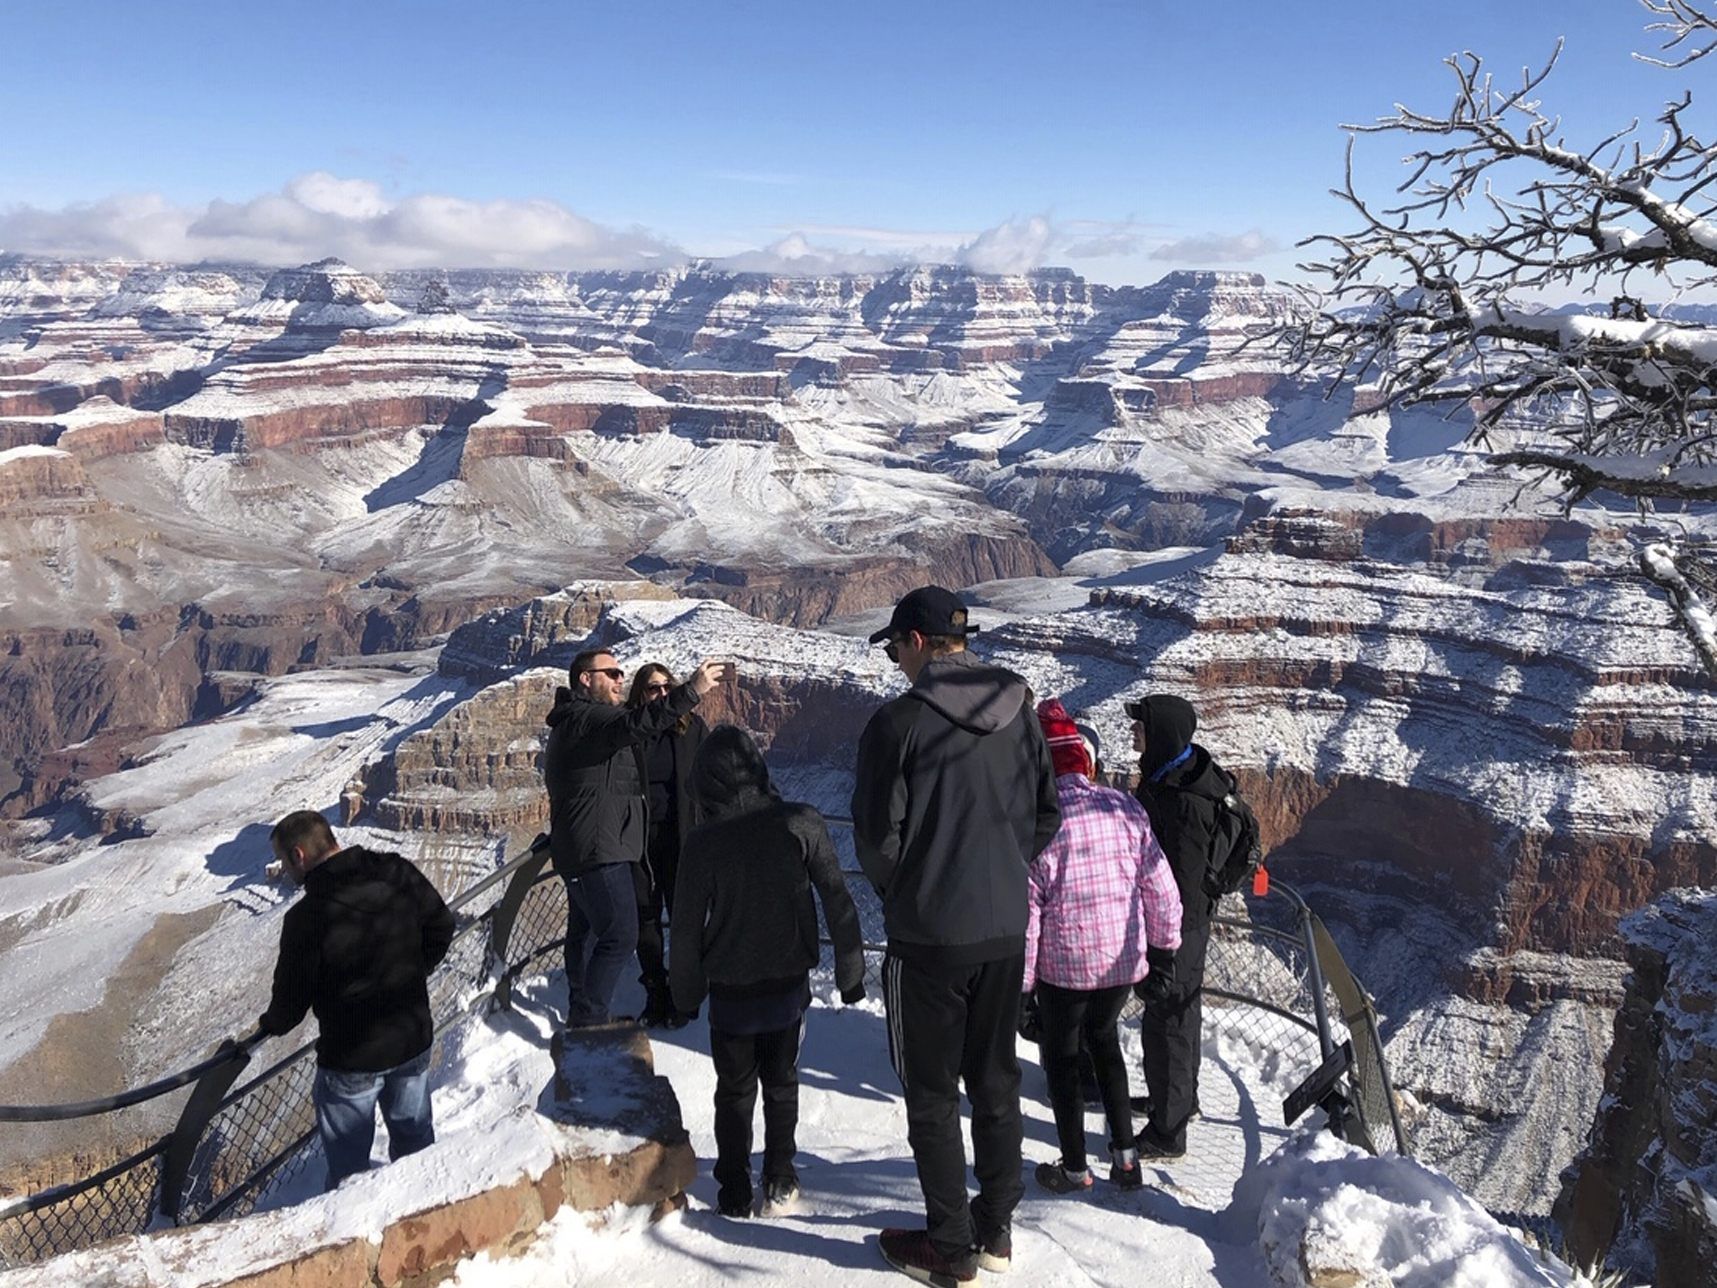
{"x": 954, "y": 797}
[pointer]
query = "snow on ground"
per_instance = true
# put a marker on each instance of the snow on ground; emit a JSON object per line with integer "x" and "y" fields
{"x": 857, "y": 1176}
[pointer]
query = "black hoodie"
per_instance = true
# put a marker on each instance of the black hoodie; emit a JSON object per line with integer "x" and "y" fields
{"x": 744, "y": 921}
{"x": 357, "y": 949}
{"x": 954, "y": 797}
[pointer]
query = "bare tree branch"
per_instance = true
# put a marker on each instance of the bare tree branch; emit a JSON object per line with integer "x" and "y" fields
{"x": 1434, "y": 298}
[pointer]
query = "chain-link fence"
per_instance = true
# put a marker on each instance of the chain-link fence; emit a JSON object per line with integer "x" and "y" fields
{"x": 1277, "y": 1001}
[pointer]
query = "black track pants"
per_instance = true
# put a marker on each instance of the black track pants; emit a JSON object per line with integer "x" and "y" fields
{"x": 945, "y": 1024}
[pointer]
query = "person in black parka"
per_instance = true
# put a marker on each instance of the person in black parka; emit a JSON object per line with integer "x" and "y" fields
{"x": 357, "y": 949}
{"x": 1179, "y": 786}
{"x": 744, "y": 932}
{"x": 667, "y": 773}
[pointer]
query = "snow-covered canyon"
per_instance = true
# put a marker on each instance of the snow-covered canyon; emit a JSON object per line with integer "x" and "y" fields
{"x": 332, "y": 518}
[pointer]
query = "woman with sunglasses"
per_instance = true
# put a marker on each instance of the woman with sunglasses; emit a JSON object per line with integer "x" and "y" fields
{"x": 666, "y": 770}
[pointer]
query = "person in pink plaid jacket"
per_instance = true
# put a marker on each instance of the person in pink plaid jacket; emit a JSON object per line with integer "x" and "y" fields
{"x": 1104, "y": 914}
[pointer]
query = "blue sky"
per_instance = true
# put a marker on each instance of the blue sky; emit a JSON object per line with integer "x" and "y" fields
{"x": 1122, "y": 139}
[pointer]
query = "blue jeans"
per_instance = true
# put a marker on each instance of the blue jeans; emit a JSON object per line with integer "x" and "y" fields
{"x": 346, "y": 1114}
{"x": 601, "y": 936}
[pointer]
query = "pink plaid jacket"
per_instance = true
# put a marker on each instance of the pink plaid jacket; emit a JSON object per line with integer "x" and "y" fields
{"x": 1101, "y": 893}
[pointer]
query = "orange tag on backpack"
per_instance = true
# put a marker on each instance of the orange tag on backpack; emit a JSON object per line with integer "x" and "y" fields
{"x": 1261, "y": 882}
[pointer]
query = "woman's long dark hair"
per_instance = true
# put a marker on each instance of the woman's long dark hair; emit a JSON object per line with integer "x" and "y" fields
{"x": 640, "y": 693}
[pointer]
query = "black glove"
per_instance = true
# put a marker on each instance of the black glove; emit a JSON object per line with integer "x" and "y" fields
{"x": 1030, "y": 1020}
{"x": 853, "y": 995}
{"x": 1156, "y": 986}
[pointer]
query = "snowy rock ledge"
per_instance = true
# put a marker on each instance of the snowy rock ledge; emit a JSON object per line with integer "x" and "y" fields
{"x": 1328, "y": 1215}
{"x": 606, "y": 1131}
{"x": 1643, "y": 1194}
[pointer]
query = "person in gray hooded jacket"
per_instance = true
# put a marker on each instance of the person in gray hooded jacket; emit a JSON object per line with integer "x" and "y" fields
{"x": 954, "y": 797}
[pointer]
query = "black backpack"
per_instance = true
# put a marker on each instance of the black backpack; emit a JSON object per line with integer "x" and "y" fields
{"x": 1236, "y": 849}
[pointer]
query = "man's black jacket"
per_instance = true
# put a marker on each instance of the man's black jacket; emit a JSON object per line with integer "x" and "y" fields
{"x": 954, "y": 797}
{"x": 593, "y": 769}
{"x": 357, "y": 949}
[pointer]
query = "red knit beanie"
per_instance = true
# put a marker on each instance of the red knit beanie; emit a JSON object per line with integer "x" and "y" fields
{"x": 1066, "y": 747}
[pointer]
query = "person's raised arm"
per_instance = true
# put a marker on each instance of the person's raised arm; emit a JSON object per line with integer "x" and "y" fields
{"x": 615, "y": 728}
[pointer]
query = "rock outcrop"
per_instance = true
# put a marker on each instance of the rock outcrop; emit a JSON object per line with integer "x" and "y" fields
{"x": 477, "y": 771}
{"x": 545, "y": 632}
{"x": 1642, "y": 1196}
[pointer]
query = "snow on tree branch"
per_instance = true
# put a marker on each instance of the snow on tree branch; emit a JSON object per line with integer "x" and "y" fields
{"x": 1683, "y": 22}
{"x": 1438, "y": 295}
{"x": 1661, "y": 565}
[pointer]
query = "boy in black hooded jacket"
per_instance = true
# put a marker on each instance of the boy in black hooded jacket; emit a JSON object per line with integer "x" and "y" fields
{"x": 745, "y": 932}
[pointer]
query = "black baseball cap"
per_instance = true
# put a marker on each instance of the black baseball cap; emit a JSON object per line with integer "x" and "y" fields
{"x": 929, "y": 610}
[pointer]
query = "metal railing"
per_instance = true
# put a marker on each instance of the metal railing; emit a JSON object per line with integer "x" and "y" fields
{"x": 1273, "y": 978}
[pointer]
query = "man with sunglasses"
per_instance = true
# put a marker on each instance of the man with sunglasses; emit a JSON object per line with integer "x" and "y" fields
{"x": 953, "y": 799}
{"x": 599, "y": 816}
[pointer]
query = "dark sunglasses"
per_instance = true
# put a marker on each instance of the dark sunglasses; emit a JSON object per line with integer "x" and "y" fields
{"x": 612, "y": 672}
{"x": 891, "y": 650}
{"x": 659, "y": 686}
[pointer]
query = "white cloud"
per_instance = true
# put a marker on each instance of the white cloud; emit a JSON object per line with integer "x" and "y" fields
{"x": 1012, "y": 247}
{"x": 796, "y": 255}
{"x": 1218, "y": 248}
{"x": 1016, "y": 246}
{"x": 905, "y": 239}
{"x": 320, "y": 214}
{"x": 350, "y": 198}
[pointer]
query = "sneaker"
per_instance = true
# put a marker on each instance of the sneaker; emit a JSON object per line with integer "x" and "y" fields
{"x": 1058, "y": 1180}
{"x": 780, "y": 1197}
{"x": 996, "y": 1251}
{"x": 912, "y": 1253}
{"x": 737, "y": 1206}
{"x": 1124, "y": 1171}
{"x": 1152, "y": 1146}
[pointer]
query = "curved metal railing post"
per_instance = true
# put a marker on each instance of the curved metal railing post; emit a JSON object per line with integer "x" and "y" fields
{"x": 1360, "y": 1015}
{"x": 506, "y": 914}
{"x": 194, "y": 1119}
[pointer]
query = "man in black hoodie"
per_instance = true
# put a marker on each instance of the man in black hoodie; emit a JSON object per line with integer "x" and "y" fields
{"x": 357, "y": 949}
{"x": 593, "y": 767}
{"x": 954, "y": 797}
{"x": 1179, "y": 786}
{"x": 745, "y": 933}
